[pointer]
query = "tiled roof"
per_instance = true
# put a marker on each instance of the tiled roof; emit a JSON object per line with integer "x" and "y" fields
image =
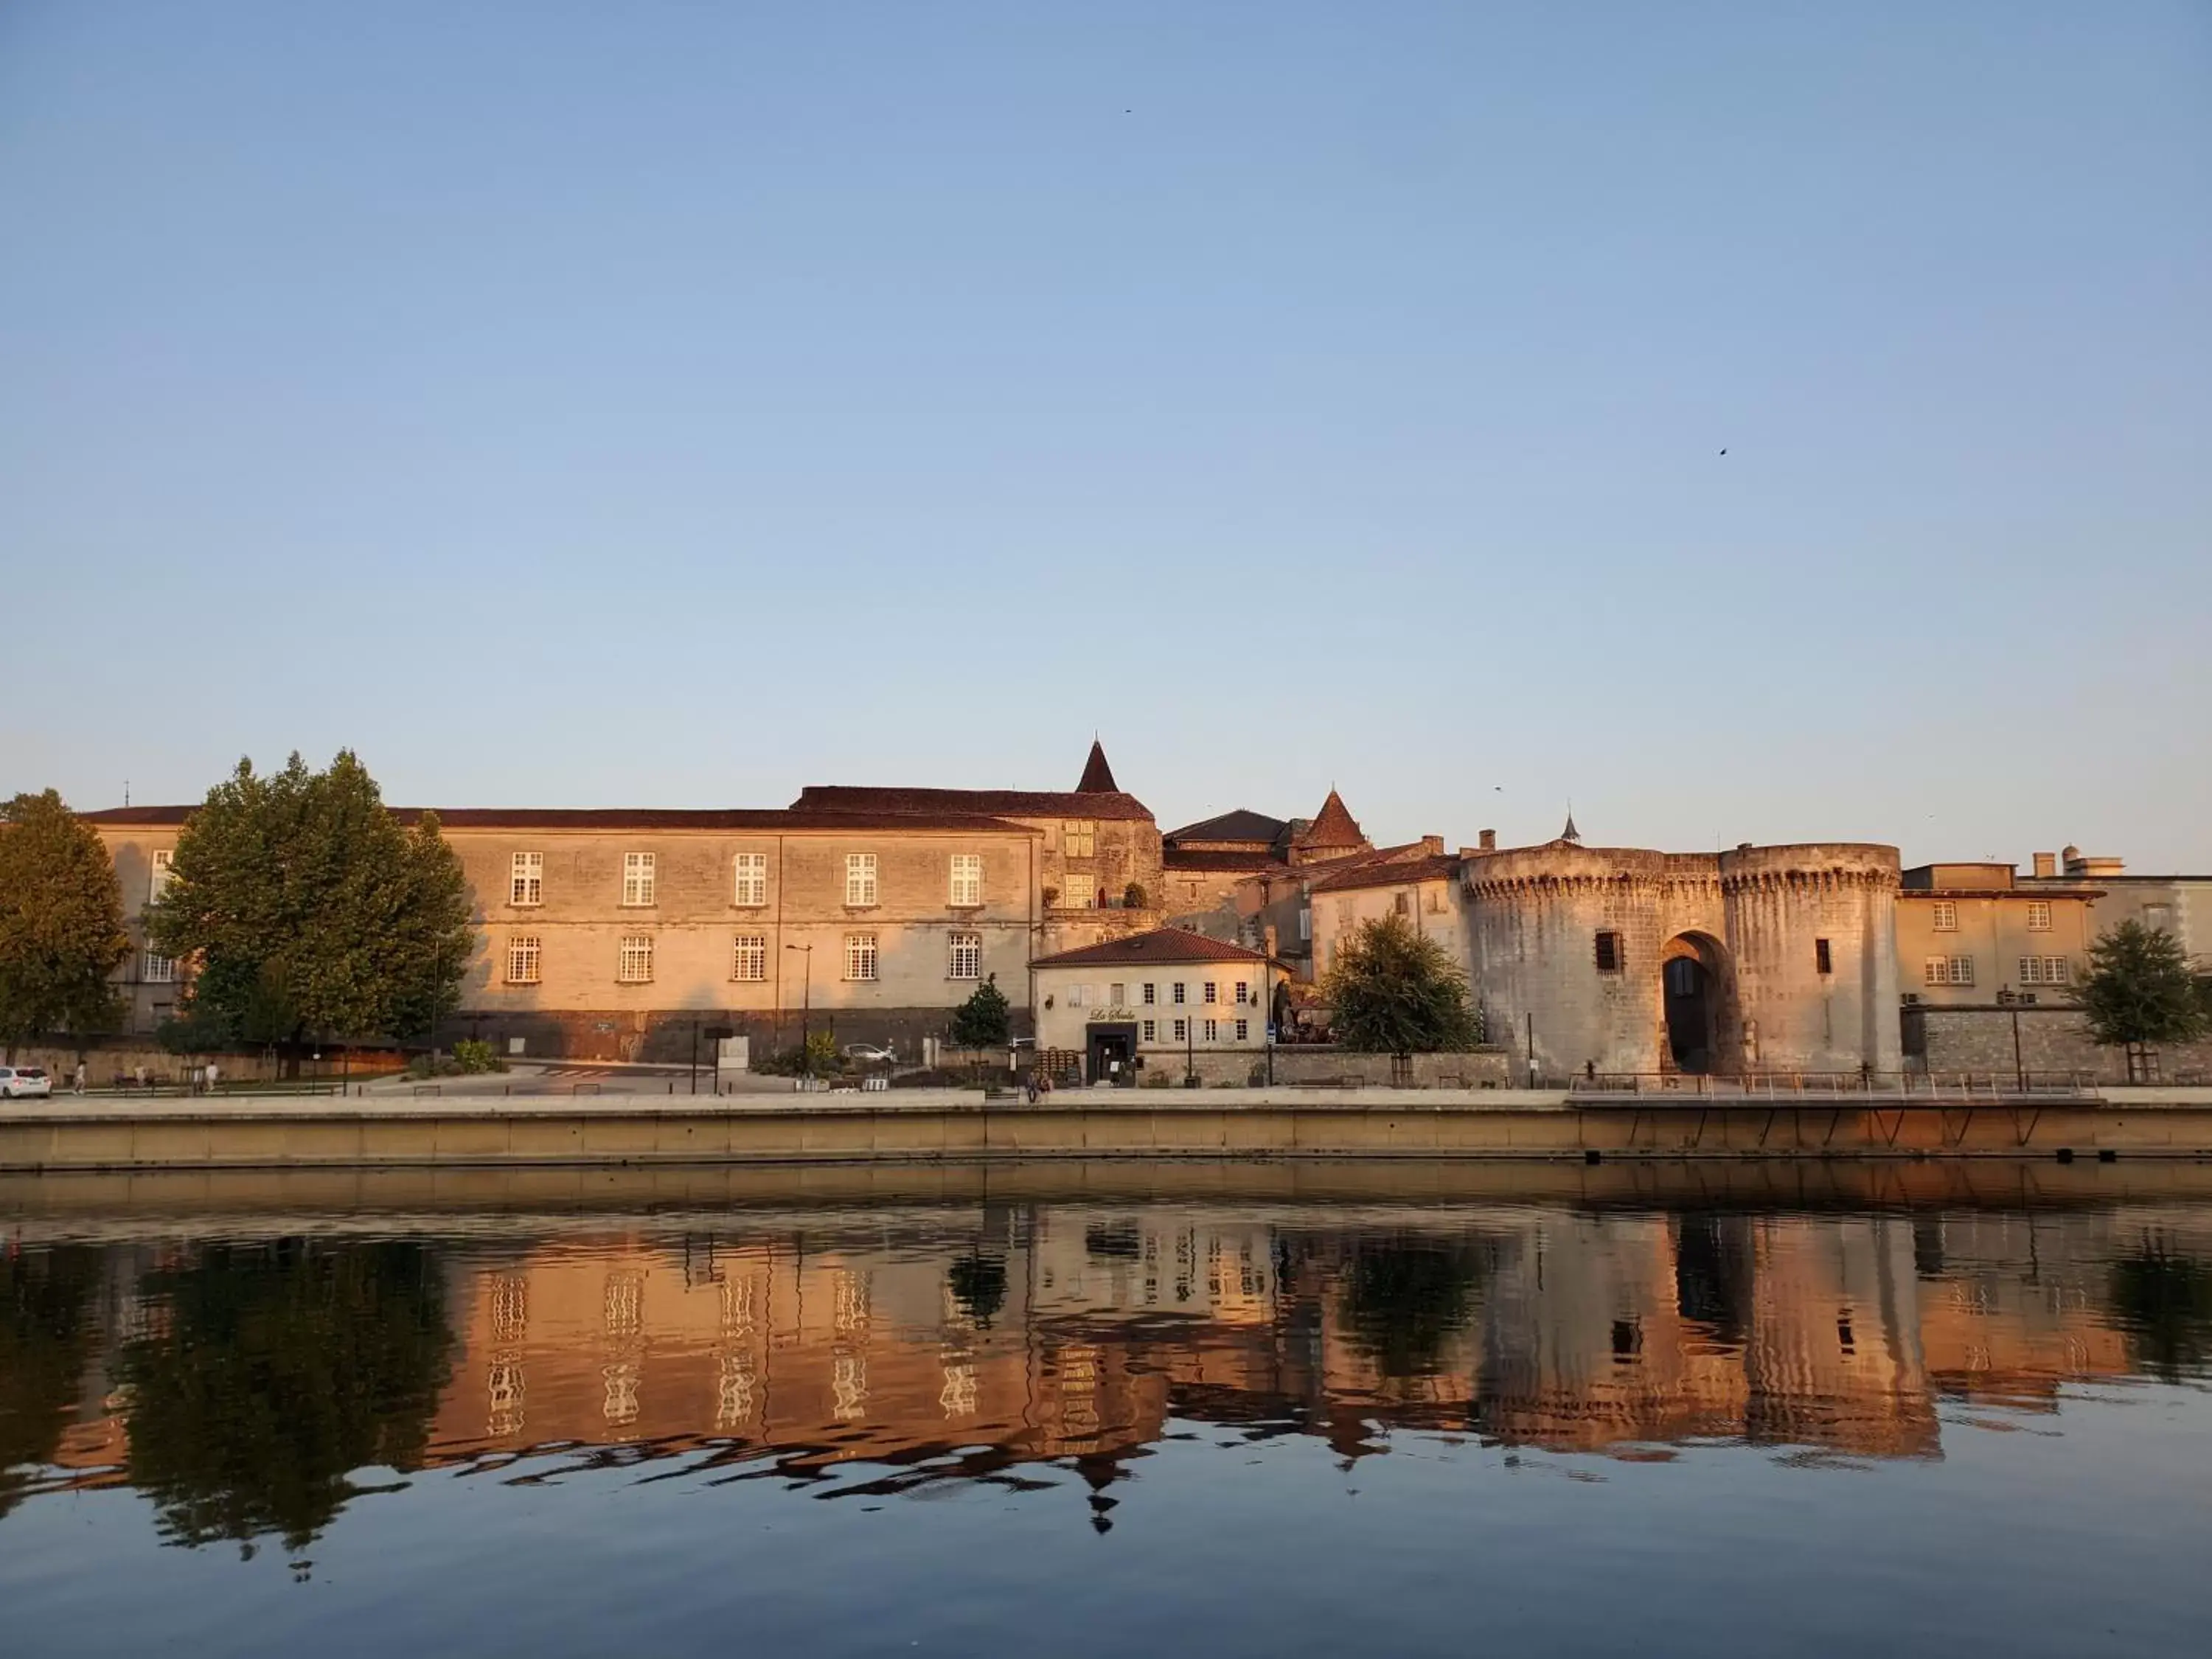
{"x": 1253, "y": 859}
{"x": 1009, "y": 803}
{"x": 1097, "y": 777}
{"x": 629, "y": 817}
{"x": 1162, "y": 945}
{"x": 1387, "y": 873}
{"x": 1241, "y": 825}
{"x": 1333, "y": 826}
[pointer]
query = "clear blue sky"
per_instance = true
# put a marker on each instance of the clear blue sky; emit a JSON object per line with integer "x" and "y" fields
{"x": 679, "y": 403}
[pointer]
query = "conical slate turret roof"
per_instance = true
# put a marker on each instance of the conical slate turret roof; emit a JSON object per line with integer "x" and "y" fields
{"x": 1570, "y": 833}
{"x": 1097, "y": 776}
{"x": 1333, "y": 826}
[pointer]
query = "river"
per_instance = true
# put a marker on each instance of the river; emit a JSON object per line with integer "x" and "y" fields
{"x": 1234, "y": 1409}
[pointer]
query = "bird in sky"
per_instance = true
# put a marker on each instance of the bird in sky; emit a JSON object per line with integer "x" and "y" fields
{"x": 1723, "y": 451}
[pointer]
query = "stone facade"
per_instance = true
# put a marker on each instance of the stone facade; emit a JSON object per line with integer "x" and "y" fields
{"x": 1969, "y": 934}
{"x": 2053, "y": 1042}
{"x": 1789, "y": 957}
{"x": 1154, "y": 1001}
{"x": 615, "y": 935}
{"x": 1098, "y": 846}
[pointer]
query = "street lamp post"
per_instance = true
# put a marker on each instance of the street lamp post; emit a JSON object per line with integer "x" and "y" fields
{"x": 806, "y": 1013}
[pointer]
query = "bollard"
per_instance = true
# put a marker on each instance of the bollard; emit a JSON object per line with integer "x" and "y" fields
{"x": 2106, "y": 1155}
{"x": 1593, "y": 1156}
{"x": 2065, "y": 1154}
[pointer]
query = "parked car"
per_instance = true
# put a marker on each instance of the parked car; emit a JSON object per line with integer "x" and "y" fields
{"x": 868, "y": 1054}
{"x": 25, "y": 1082}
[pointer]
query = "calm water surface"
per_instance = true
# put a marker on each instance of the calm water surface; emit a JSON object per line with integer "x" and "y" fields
{"x": 1209, "y": 1412}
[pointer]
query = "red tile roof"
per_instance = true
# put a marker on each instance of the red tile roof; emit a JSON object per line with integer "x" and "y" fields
{"x": 1243, "y": 824}
{"x": 629, "y": 817}
{"x": 1251, "y": 860}
{"x": 1162, "y": 945}
{"x": 1006, "y": 803}
{"x": 1333, "y": 826}
{"x": 1387, "y": 873}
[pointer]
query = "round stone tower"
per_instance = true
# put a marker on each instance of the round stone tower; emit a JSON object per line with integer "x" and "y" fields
{"x": 1622, "y": 960}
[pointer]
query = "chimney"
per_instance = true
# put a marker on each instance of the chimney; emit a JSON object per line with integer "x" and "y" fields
{"x": 1433, "y": 846}
{"x": 2046, "y": 864}
{"x": 2072, "y": 858}
{"x": 1487, "y": 841}
{"x": 1267, "y": 938}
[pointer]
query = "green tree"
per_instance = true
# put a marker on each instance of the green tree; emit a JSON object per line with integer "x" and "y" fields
{"x": 1396, "y": 991}
{"x": 1404, "y": 1296}
{"x": 978, "y": 1284}
{"x": 984, "y": 1020}
{"x": 313, "y": 912}
{"x": 2163, "y": 1300}
{"x": 278, "y": 1371}
{"x": 45, "y": 1342}
{"x": 2140, "y": 993}
{"x": 61, "y": 923}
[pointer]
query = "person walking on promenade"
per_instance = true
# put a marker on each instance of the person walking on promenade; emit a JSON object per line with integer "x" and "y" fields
{"x": 78, "y": 1080}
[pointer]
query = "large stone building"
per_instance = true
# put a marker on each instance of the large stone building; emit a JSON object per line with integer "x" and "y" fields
{"x": 624, "y": 934}
{"x": 616, "y": 934}
{"x": 1622, "y": 960}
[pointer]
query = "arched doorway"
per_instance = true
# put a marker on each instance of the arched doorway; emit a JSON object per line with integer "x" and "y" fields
{"x": 1695, "y": 995}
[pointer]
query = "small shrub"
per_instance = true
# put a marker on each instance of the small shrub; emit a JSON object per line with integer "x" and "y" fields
{"x": 473, "y": 1056}
{"x": 1134, "y": 896}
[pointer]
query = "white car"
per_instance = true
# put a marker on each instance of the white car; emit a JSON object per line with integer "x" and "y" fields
{"x": 25, "y": 1082}
{"x": 867, "y": 1053}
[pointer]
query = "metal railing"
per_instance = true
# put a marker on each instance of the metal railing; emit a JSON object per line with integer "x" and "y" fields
{"x": 1888, "y": 1087}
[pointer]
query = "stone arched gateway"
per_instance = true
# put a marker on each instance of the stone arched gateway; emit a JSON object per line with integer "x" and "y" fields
{"x": 1568, "y": 946}
{"x": 1699, "y": 1032}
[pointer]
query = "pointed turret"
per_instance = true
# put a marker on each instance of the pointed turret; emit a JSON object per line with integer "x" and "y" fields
{"x": 1570, "y": 833}
{"x": 1333, "y": 833}
{"x": 1097, "y": 776}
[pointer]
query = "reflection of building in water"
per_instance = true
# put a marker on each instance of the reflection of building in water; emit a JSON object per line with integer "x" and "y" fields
{"x": 1572, "y": 1330}
{"x": 973, "y": 1339}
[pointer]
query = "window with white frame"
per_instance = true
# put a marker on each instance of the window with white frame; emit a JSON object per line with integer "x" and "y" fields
{"x": 524, "y": 953}
{"x": 2044, "y": 970}
{"x": 1117, "y": 996}
{"x": 967, "y": 881}
{"x": 748, "y": 878}
{"x": 2038, "y": 916}
{"x": 1182, "y": 1029}
{"x": 1213, "y": 1030}
{"x": 749, "y": 957}
{"x": 1244, "y": 992}
{"x": 1944, "y": 917}
{"x": 1152, "y": 995}
{"x": 1078, "y": 838}
{"x": 637, "y": 959}
{"x": 1079, "y": 892}
{"x": 1179, "y": 997}
{"x": 2159, "y": 918}
{"x": 964, "y": 956}
{"x": 1152, "y": 1028}
{"x": 157, "y": 878}
{"x": 1078, "y": 996}
{"x": 1211, "y": 993}
{"x": 1305, "y": 924}
{"x": 525, "y": 878}
{"x": 860, "y": 952}
{"x": 637, "y": 878}
{"x": 1950, "y": 970}
{"x": 1243, "y": 1030}
{"x": 860, "y": 881}
{"x": 155, "y": 969}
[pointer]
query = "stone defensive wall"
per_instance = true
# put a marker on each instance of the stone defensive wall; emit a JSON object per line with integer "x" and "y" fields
{"x": 1797, "y": 944}
{"x": 924, "y": 1126}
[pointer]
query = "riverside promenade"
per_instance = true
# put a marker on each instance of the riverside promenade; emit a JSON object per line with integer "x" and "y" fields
{"x": 400, "y": 1128}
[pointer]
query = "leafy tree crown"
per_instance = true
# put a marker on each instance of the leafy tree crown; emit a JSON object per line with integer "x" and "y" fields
{"x": 2140, "y": 989}
{"x": 61, "y": 922}
{"x": 1397, "y": 992}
